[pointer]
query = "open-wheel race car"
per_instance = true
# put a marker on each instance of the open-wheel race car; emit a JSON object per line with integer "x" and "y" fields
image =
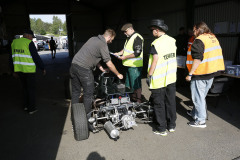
{"x": 112, "y": 110}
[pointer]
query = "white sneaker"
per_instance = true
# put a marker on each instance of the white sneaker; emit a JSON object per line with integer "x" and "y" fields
{"x": 197, "y": 124}
{"x": 160, "y": 133}
{"x": 171, "y": 130}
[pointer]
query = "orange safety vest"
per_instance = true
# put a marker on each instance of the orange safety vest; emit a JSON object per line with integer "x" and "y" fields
{"x": 212, "y": 56}
{"x": 190, "y": 42}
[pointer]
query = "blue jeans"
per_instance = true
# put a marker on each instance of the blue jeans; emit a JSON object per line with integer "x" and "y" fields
{"x": 199, "y": 90}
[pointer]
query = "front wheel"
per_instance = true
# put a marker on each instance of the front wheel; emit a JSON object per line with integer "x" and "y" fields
{"x": 79, "y": 122}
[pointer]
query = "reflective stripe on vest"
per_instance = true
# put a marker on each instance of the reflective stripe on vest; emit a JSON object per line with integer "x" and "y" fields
{"x": 166, "y": 68}
{"x": 164, "y": 64}
{"x": 212, "y": 58}
{"x": 21, "y": 55}
{"x": 128, "y": 49}
{"x": 189, "y": 56}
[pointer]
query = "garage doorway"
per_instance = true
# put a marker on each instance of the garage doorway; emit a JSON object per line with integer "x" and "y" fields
{"x": 46, "y": 26}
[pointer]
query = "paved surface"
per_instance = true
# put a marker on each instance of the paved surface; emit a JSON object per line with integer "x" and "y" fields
{"x": 48, "y": 134}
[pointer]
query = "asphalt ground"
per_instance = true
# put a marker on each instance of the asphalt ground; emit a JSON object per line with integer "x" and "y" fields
{"x": 47, "y": 134}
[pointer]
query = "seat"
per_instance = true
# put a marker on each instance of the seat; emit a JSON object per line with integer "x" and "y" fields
{"x": 219, "y": 88}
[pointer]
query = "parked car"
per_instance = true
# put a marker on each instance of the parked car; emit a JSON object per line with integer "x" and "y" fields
{"x": 46, "y": 45}
{"x": 35, "y": 43}
{"x": 40, "y": 44}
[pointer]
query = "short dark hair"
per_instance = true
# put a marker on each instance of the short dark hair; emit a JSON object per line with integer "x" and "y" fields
{"x": 109, "y": 32}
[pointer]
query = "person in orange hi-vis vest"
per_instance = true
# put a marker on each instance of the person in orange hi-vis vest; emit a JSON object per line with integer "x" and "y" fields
{"x": 204, "y": 62}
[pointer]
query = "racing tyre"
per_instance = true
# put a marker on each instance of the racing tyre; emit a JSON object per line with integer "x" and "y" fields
{"x": 79, "y": 122}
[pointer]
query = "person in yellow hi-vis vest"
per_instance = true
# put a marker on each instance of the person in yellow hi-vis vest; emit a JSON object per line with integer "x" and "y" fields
{"x": 161, "y": 78}
{"x": 204, "y": 61}
{"x": 24, "y": 60}
{"x": 132, "y": 59}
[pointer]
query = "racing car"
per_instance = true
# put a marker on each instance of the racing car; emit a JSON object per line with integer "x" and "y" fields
{"x": 112, "y": 110}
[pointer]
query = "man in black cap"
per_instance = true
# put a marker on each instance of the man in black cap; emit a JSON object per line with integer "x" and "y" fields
{"x": 161, "y": 78}
{"x": 132, "y": 59}
{"x": 24, "y": 60}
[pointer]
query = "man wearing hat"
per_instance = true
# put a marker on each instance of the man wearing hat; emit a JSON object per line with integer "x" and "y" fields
{"x": 132, "y": 59}
{"x": 161, "y": 78}
{"x": 25, "y": 59}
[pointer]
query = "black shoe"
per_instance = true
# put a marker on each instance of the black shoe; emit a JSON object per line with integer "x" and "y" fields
{"x": 197, "y": 124}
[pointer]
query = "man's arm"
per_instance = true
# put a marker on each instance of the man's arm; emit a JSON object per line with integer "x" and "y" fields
{"x": 101, "y": 68}
{"x": 195, "y": 65}
{"x": 153, "y": 65}
{"x": 114, "y": 70}
{"x": 36, "y": 58}
{"x": 197, "y": 50}
{"x": 137, "y": 47}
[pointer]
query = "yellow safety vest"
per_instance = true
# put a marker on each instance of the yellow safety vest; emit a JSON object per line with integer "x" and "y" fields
{"x": 212, "y": 56}
{"x": 128, "y": 49}
{"x": 166, "y": 68}
{"x": 22, "y": 59}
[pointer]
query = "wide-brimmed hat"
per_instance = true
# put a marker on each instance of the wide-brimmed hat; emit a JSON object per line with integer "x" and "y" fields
{"x": 126, "y": 26}
{"x": 159, "y": 23}
{"x": 29, "y": 31}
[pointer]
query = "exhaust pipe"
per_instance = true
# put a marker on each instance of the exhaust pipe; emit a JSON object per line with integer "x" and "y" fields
{"x": 112, "y": 131}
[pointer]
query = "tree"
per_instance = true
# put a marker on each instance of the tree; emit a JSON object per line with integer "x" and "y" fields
{"x": 64, "y": 28}
{"x": 40, "y": 27}
{"x": 57, "y": 24}
{"x": 47, "y": 27}
{"x": 33, "y": 24}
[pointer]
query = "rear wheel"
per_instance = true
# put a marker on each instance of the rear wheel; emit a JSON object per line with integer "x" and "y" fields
{"x": 79, "y": 122}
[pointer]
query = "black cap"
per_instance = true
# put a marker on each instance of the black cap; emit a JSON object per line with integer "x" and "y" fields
{"x": 29, "y": 31}
{"x": 158, "y": 23}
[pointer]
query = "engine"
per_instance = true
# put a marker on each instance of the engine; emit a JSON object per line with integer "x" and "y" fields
{"x": 113, "y": 110}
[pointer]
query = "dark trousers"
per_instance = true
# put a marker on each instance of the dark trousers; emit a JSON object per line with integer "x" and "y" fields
{"x": 28, "y": 81}
{"x": 82, "y": 78}
{"x": 164, "y": 103}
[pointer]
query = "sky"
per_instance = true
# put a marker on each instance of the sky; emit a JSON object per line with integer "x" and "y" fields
{"x": 48, "y": 17}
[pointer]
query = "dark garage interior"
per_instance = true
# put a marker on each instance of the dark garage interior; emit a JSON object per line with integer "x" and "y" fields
{"x": 47, "y": 135}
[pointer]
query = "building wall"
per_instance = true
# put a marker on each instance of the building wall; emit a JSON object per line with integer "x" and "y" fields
{"x": 215, "y": 11}
{"x": 140, "y": 13}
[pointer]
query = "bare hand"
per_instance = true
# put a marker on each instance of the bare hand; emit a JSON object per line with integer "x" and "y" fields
{"x": 120, "y": 76}
{"x": 116, "y": 54}
{"x": 122, "y": 57}
{"x": 188, "y": 78}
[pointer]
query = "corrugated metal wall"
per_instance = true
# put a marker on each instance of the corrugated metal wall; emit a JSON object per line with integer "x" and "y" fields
{"x": 214, "y": 11}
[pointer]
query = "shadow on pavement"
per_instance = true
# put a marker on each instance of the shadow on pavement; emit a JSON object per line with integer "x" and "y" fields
{"x": 227, "y": 111}
{"x": 36, "y": 136}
